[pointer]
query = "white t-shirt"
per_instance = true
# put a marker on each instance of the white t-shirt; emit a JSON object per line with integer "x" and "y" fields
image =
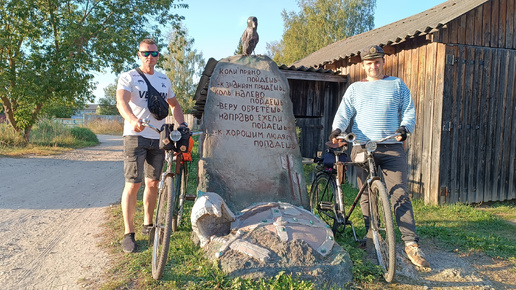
{"x": 133, "y": 82}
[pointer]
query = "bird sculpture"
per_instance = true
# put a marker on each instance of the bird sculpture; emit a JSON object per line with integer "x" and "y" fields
{"x": 250, "y": 36}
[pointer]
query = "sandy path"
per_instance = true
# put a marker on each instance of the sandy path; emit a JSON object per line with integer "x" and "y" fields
{"x": 51, "y": 209}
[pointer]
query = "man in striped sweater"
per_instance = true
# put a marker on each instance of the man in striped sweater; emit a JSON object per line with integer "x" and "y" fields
{"x": 381, "y": 105}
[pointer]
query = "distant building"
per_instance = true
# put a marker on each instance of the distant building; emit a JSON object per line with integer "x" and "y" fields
{"x": 88, "y": 109}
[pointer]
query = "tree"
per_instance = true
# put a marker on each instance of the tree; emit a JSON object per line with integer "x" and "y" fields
{"x": 320, "y": 23}
{"x": 240, "y": 48}
{"x": 183, "y": 65}
{"x": 49, "y": 49}
{"x": 107, "y": 104}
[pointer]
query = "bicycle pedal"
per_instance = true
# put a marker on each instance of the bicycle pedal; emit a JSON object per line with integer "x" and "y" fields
{"x": 190, "y": 197}
{"x": 325, "y": 205}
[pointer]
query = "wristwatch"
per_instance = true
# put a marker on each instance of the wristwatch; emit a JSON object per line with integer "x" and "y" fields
{"x": 184, "y": 124}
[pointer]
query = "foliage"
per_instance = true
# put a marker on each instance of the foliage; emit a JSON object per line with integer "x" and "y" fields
{"x": 318, "y": 24}
{"x": 62, "y": 110}
{"x": 48, "y": 137}
{"x": 240, "y": 48}
{"x": 9, "y": 137}
{"x": 84, "y": 134}
{"x": 107, "y": 104}
{"x": 183, "y": 65}
{"x": 49, "y": 49}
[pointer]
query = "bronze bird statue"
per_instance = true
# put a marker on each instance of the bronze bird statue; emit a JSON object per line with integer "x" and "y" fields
{"x": 250, "y": 36}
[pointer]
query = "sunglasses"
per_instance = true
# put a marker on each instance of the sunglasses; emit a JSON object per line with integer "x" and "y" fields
{"x": 147, "y": 53}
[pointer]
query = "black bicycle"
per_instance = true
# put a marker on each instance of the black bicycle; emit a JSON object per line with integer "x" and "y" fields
{"x": 172, "y": 192}
{"x": 326, "y": 199}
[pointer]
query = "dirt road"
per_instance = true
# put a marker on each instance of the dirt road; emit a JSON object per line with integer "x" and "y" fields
{"x": 51, "y": 209}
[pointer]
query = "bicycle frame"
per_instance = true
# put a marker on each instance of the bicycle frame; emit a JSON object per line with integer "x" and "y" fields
{"x": 343, "y": 217}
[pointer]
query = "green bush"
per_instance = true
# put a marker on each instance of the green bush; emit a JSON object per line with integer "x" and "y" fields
{"x": 84, "y": 134}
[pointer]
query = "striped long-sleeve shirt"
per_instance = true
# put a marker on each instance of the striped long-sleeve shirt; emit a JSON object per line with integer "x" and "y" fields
{"x": 379, "y": 108}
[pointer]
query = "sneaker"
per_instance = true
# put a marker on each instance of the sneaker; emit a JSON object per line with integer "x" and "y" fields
{"x": 416, "y": 256}
{"x": 146, "y": 229}
{"x": 129, "y": 244}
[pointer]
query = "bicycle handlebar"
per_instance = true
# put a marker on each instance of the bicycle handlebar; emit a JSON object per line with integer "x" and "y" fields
{"x": 352, "y": 138}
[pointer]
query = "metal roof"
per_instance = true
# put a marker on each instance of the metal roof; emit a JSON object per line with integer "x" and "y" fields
{"x": 423, "y": 23}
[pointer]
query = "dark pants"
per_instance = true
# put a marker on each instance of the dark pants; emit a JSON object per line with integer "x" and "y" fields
{"x": 142, "y": 155}
{"x": 393, "y": 162}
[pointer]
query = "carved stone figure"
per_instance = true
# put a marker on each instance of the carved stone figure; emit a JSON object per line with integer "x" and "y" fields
{"x": 250, "y": 36}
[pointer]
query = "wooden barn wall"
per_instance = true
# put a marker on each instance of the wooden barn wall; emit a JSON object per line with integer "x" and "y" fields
{"x": 478, "y": 147}
{"x": 421, "y": 67}
{"x": 489, "y": 25}
{"x": 314, "y": 104}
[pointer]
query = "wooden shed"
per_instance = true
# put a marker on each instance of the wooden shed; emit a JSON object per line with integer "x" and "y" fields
{"x": 459, "y": 61}
{"x": 315, "y": 99}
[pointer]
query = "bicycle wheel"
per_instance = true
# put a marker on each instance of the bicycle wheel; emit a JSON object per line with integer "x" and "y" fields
{"x": 382, "y": 227}
{"x": 180, "y": 193}
{"x": 163, "y": 227}
{"x": 322, "y": 198}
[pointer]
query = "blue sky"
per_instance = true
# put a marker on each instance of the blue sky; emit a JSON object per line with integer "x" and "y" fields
{"x": 217, "y": 25}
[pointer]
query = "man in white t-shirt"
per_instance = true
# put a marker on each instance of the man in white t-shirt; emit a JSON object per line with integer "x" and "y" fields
{"x": 141, "y": 144}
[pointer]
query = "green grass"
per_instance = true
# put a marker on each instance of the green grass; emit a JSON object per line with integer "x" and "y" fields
{"x": 468, "y": 228}
{"x": 456, "y": 227}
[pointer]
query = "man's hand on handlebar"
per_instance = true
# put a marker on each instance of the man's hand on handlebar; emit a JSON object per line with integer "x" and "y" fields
{"x": 137, "y": 125}
{"x": 403, "y": 133}
{"x": 334, "y": 134}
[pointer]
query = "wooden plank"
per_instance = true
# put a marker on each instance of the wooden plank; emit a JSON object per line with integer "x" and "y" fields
{"x": 400, "y": 62}
{"x": 462, "y": 112}
{"x": 461, "y": 29}
{"x": 478, "y": 26}
{"x": 486, "y": 56}
{"x": 490, "y": 176}
{"x": 420, "y": 99}
{"x": 456, "y": 113}
{"x": 512, "y": 145}
{"x": 428, "y": 122}
{"x": 502, "y": 22}
{"x": 437, "y": 122}
{"x": 313, "y": 76}
{"x": 474, "y": 125}
{"x": 495, "y": 14}
{"x": 507, "y": 129}
{"x": 486, "y": 25}
{"x": 445, "y": 156}
{"x": 510, "y": 20}
{"x": 499, "y": 172}
{"x": 411, "y": 61}
{"x": 467, "y": 193}
{"x": 453, "y": 31}
{"x": 445, "y": 34}
{"x": 470, "y": 28}
{"x": 513, "y": 17}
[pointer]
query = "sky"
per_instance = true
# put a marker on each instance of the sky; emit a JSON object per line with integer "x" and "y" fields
{"x": 216, "y": 26}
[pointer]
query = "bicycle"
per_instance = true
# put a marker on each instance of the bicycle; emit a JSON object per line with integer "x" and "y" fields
{"x": 326, "y": 200}
{"x": 172, "y": 187}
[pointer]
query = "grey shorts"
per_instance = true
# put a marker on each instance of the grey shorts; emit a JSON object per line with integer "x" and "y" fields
{"x": 142, "y": 155}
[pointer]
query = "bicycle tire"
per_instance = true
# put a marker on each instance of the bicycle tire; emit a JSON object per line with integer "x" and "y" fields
{"x": 322, "y": 199}
{"x": 163, "y": 227}
{"x": 180, "y": 193}
{"x": 382, "y": 227}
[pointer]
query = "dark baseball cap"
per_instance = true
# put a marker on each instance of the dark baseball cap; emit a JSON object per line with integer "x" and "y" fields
{"x": 372, "y": 51}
